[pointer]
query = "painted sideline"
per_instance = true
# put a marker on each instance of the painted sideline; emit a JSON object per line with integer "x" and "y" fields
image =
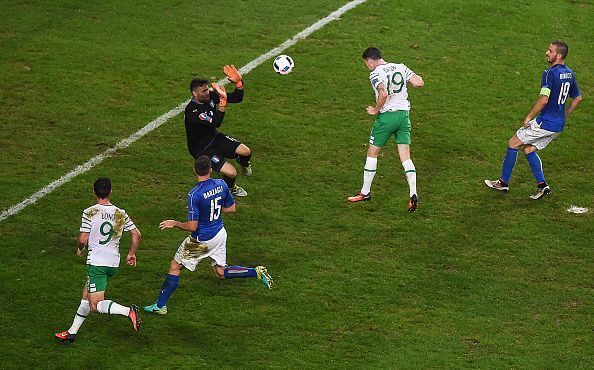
{"x": 172, "y": 113}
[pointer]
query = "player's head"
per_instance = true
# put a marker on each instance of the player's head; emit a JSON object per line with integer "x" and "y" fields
{"x": 199, "y": 90}
{"x": 102, "y": 187}
{"x": 557, "y": 52}
{"x": 202, "y": 165}
{"x": 372, "y": 57}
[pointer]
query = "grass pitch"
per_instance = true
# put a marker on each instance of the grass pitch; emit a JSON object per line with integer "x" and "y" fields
{"x": 473, "y": 279}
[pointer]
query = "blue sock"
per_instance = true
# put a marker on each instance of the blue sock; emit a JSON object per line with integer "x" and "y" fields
{"x": 239, "y": 272}
{"x": 169, "y": 286}
{"x": 536, "y": 167}
{"x": 508, "y": 164}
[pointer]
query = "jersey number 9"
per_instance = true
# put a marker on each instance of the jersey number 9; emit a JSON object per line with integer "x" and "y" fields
{"x": 108, "y": 232}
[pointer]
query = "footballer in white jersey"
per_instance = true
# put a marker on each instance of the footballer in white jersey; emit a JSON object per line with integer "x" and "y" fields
{"x": 100, "y": 231}
{"x": 391, "y": 111}
{"x": 105, "y": 224}
{"x": 394, "y": 77}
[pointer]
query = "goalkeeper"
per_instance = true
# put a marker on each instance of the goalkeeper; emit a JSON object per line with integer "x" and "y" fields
{"x": 203, "y": 115}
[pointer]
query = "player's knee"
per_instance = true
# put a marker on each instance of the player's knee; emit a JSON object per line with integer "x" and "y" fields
{"x": 175, "y": 268}
{"x": 230, "y": 171}
{"x": 529, "y": 149}
{"x": 93, "y": 305}
{"x": 219, "y": 272}
{"x": 243, "y": 150}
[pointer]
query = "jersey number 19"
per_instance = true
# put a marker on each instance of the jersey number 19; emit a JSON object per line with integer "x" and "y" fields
{"x": 395, "y": 84}
{"x": 563, "y": 91}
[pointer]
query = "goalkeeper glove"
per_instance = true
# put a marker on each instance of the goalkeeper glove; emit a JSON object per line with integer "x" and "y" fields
{"x": 222, "y": 94}
{"x": 233, "y": 74}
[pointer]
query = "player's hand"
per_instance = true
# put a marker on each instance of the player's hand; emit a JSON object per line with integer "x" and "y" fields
{"x": 527, "y": 122}
{"x": 222, "y": 94}
{"x": 80, "y": 252}
{"x": 371, "y": 110}
{"x": 233, "y": 74}
{"x": 131, "y": 259}
{"x": 167, "y": 224}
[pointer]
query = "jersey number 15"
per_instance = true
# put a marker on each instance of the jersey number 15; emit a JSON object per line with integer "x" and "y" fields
{"x": 215, "y": 209}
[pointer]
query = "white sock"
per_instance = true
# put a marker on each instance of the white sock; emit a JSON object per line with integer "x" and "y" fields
{"x": 368, "y": 174}
{"x": 81, "y": 314}
{"x": 112, "y": 308}
{"x": 411, "y": 176}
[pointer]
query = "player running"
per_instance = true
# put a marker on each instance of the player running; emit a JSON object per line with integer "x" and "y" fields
{"x": 100, "y": 231}
{"x": 206, "y": 201}
{"x": 558, "y": 83}
{"x": 203, "y": 115}
{"x": 389, "y": 82}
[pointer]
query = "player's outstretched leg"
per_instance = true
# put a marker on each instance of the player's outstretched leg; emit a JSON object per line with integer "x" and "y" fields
{"x": 243, "y": 154}
{"x": 169, "y": 286}
{"x": 542, "y": 188}
{"x": 411, "y": 177}
{"x": 82, "y": 312}
{"x": 112, "y": 308}
{"x": 232, "y": 272}
{"x": 509, "y": 162}
{"x": 368, "y": 175}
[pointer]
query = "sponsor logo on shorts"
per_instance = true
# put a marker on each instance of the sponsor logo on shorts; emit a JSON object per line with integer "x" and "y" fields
{"x": 92, "y": 288}
{"x": 215, "y": 159}
{"x": 230, "y": 138}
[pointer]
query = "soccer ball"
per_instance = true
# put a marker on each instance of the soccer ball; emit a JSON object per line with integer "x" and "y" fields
{"x": 283, "y": 64}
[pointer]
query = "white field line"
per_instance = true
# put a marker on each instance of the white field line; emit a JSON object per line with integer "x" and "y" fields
{"x": 172, "y": 113}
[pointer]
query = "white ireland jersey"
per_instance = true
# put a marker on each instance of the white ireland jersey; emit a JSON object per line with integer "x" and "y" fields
{"x": 394, "y": 77}
{"x": 105, "y": 224}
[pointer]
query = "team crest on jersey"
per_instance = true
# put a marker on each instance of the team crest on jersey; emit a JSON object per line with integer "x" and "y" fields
{"x": 205, "y": 117}
{"x": 215, "y": 159}
{"x": 211, "y": 103}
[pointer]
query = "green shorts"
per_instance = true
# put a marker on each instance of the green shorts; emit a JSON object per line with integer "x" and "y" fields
{"x": 388, "y": 123}
{"x": 97, "y": 277}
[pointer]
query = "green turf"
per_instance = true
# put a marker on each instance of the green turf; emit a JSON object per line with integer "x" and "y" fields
{"x": 473, "y": 279}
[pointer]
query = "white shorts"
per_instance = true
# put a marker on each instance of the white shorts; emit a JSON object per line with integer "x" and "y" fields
{"x": 217, "y": 251}
{"x": 534, "y": 135}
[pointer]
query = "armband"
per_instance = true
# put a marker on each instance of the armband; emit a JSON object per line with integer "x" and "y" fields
{"x": 545, "y": 91}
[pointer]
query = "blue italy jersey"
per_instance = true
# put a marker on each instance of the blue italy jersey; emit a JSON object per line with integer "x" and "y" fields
{"x": 204, "y": 205}
{"x": 558, "y": 82}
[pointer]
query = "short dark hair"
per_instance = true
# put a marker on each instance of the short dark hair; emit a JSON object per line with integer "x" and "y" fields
{"x": 372, "y": 53}
{"x": 561, "y": 48}
{"x": 102, "y": 187}
{"x": 196, "y": 82}
{"x": 202, "y": 165}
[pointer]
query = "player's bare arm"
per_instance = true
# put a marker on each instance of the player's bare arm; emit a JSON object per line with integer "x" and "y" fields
{"x": 135, "y": 243}
{"x": 229, "y": 209}
{"x": 416, "y": 81}
{"x": 540, "y": 103}
{"x": 382, "y": 96}
{"x": 187, "y": 226}
{"x": 574, "y": 103}
{"x": 81, "y": 244}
